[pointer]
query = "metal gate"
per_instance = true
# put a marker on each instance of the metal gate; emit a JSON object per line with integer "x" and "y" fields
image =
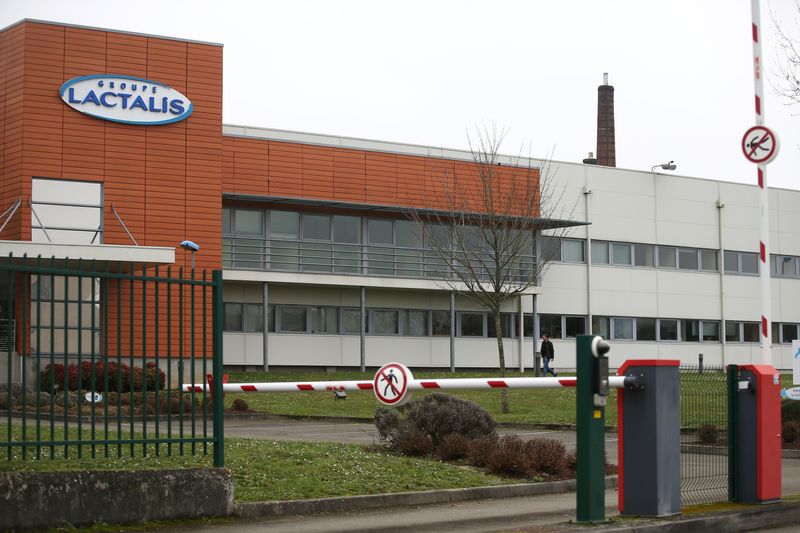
{"x": 93, "y": 360}
{"x": 704, "y": 424}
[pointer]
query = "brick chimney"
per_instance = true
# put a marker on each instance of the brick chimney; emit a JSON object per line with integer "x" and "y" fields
{"x": 606, "y": 152}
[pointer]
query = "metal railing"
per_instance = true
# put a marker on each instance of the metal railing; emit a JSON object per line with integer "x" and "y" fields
{"x": 347, "y": 259}
{"x": 99, "y": 358}
{"x": 704, "y": 423}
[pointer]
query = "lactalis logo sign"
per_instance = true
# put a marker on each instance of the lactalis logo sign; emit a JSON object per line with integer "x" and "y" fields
{"x": 125, "y": 99}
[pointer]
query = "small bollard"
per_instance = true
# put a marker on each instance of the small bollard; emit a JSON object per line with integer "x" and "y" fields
{"x": 700, "y": 363}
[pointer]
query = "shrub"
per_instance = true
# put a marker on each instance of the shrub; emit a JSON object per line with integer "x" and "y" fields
{"x": 480, "y": 449}
{"x": 415, "y": 443}
{"x": 571, "y": 460}
{"x": 547, "y": 456}
{"x": 791, "y": 431}
{"x": 239, "y": 404}
{"x": 51, "y": 378}
{"x": 708, "y": 434}
{"x": 509, "y": 457}
{"x": 790, "y": 411}
{"x": 453, "y": 447}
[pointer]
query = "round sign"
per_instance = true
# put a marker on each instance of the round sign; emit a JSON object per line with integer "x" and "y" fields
{"x": 391, "y": 384}
{"x": 760, "y": 145}
{"x": 95, "y": 397}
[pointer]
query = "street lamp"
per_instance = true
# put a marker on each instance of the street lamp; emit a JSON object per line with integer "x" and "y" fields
{"x": 666, "y": 166}
{"x": 192, "y": 247}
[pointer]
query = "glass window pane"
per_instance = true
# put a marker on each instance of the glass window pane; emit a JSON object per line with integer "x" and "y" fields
{"x": 226, "y": 221}
{"x": 293, "y": 319}
{"x": 408, "y": 234}
{"x": 709, "y": 260}
{"x": 505, "y": 325}
{"x": 551, "y": 249}
{"x": 471, "y": 324}
{"x": 575, "y": 325}
{"x": 687, "y": 259}
{"x": 600, "y": 252}
{"x": 316, "y": 227}
{"x": 731, "y": 260}
{"x": 786, "y": 266}
{"x": 415, "y": 323}
{"x": 732, "y": 332}
{"x": 248, "y": 222}
{"x": 550, "y": 325}
{"x": 690, "y": 330}
{"x": 271, "y": 318}
{"x": 644, "y": 255}
{"x": 776, "y": 333}
{"x": 752, "y": 332}
{"x": 710, "y": 330}
{"x": 385, "y": 322}
{"x": 620, "y": 253}
{"x": 646, "y": 329}
{"x": 285, "y": 224}
{"x": 623, "y": 328}
{"x": 253, "y": 318}
{"x": 233, "y": 317}
{"x": 601, "y": 326}
{"x": 347, "y": 229}
{"x": 351, "y": 321}
{"x": 574, "y": 250}
{"x": 324, "y": 320}
{"x": 789, "y": 332}
{"x": 441, "y": 322}
{"x": 666, "y": 257}
{"x": 749, "y": 262}
{"x": 668, "y": 330}
{"x": 380, "y": 231}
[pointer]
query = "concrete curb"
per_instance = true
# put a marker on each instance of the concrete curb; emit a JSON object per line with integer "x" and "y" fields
{"x": 403, "y": 499}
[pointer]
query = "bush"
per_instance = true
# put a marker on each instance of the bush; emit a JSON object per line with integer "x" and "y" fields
{"x": 415, "y": 443}
{"x": 118, "y": 376}
{"x": 437, "y": 416}
{"x": 547, "y": 456}
{"x": 453, "y": 447}
{"x": 791, "y": 431}
{"x": 509, "y": 457}
{"x": 571, "y": 460}
{"x": 708, "y": 434}
{"x": 239, "y": 404}
{"x": 480, "y": 450}
{"x": 790, "y": 410}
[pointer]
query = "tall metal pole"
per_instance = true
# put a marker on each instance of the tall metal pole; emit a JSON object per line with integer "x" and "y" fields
{"x": 363, "y": 313}
{"x": 266, "y": 326}
{"x": 764, "y": 274}
{"x": 452, "y": 331}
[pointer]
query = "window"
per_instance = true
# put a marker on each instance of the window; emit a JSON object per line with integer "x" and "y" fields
{"x": 784, "y": 266}
{"x": 440, "y": 323}
{"x": 776, "y": 333}
{"x": 710, "y": 330}
{"x": 620, "y": 253}
{"x": 575, "y": 325}
{"x": 386, "y": 322}
{"x": 643, "y": 255}
{"x": 751, "y": 332}
{"x": 687, "y": 259}
{"x": 292, "y": 319}
{"x": 527, "y": 325}
{"x": 324, "y": 320}
{"x": 623, "y": 328}
{"x": 645, "y": 329}
{"x": 574, "y": 251}
{"x": 505, "y": 326}
{"x": 789, "y": 332}
{"x": 284, "y": 229}
{"x": 600, "y": 252}
{"x": 708, "y": 260}
{"x": 415, "y": 323}
{"x": 666, "y": 257}
{"x": 253, "y": 318}
{"x": 690, "y": 330}
{"x": 347, "y": 239}
{"x": 380, "y": 231}
{"x": 667, "y": 330}
{"x": 351, "y": 321}
{"x": 732, "y": 333}
{"x": 550, "y": 325}
{"x": 471, "y": 324}
{"x": 600, "y": 326}
{"x": 316, "y": 227}
{"x": 551, "y": 249}
{"x": 409, "y": 249}
{"x": 226, "y": 221}
{"x": 346, "y": 229}
{"x": 233, "y": 317}
{"x": 731, "y": 261}
{"x": 249, "y": 222}
{"x": 748, "y": 262}
{"x": 68, "y": 212}
{"x": 285, "y": 224}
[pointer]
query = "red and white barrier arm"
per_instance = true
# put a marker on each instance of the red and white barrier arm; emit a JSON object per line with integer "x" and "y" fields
{"x": 417, "y": 384}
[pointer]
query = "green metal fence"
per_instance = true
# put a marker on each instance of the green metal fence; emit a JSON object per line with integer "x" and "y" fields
{"x": 704, "y": 423}
{"x": 94, "y": 358}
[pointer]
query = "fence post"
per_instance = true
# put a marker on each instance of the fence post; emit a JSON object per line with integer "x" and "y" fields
{"x": 733, "y": 434}
{"x": 217, "y": 401}
{"x": 700, "y": 363}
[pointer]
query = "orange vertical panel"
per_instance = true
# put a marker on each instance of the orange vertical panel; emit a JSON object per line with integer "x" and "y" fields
{"x": 285, "y": 169}
{"x": 317, "y": 172}
{"x": 382, "y": 178}
{"x": 349, "y": 175}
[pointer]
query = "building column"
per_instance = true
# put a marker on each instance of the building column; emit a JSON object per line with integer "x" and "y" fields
{"x": 535, "y": 336}
{"x": 265, "y": 335}
{"x": 521, "y": 336}
{"x": 363, "y": 330}
{"x": 452, "y": 331}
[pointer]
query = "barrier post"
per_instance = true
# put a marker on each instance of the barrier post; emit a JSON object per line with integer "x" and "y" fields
{"x": 590, "y": 426}
{"x": 648, "y": 411}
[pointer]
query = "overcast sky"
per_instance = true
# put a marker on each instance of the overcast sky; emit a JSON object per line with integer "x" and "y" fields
{"x": 424, "y": 72}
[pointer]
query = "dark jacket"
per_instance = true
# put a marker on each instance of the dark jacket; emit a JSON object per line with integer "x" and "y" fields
{"x": 547, "y": 349}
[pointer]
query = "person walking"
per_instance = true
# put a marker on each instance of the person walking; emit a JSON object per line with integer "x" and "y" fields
{"x": 548, "y": 354}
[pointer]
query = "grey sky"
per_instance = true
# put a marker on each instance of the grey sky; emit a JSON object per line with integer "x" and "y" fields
{"x": 423, "y": 72}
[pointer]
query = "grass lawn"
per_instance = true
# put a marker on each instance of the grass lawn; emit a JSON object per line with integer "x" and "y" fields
{"x": 269, "y": 470}
{"x": 528, "y": 406}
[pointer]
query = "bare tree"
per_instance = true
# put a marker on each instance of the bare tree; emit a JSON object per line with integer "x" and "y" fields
{"x": 482, "y": 239}
{"x": 787, "y": 71}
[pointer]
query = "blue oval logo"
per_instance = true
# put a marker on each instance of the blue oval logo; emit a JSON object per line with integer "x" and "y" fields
{"x": 125, "y": 99}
